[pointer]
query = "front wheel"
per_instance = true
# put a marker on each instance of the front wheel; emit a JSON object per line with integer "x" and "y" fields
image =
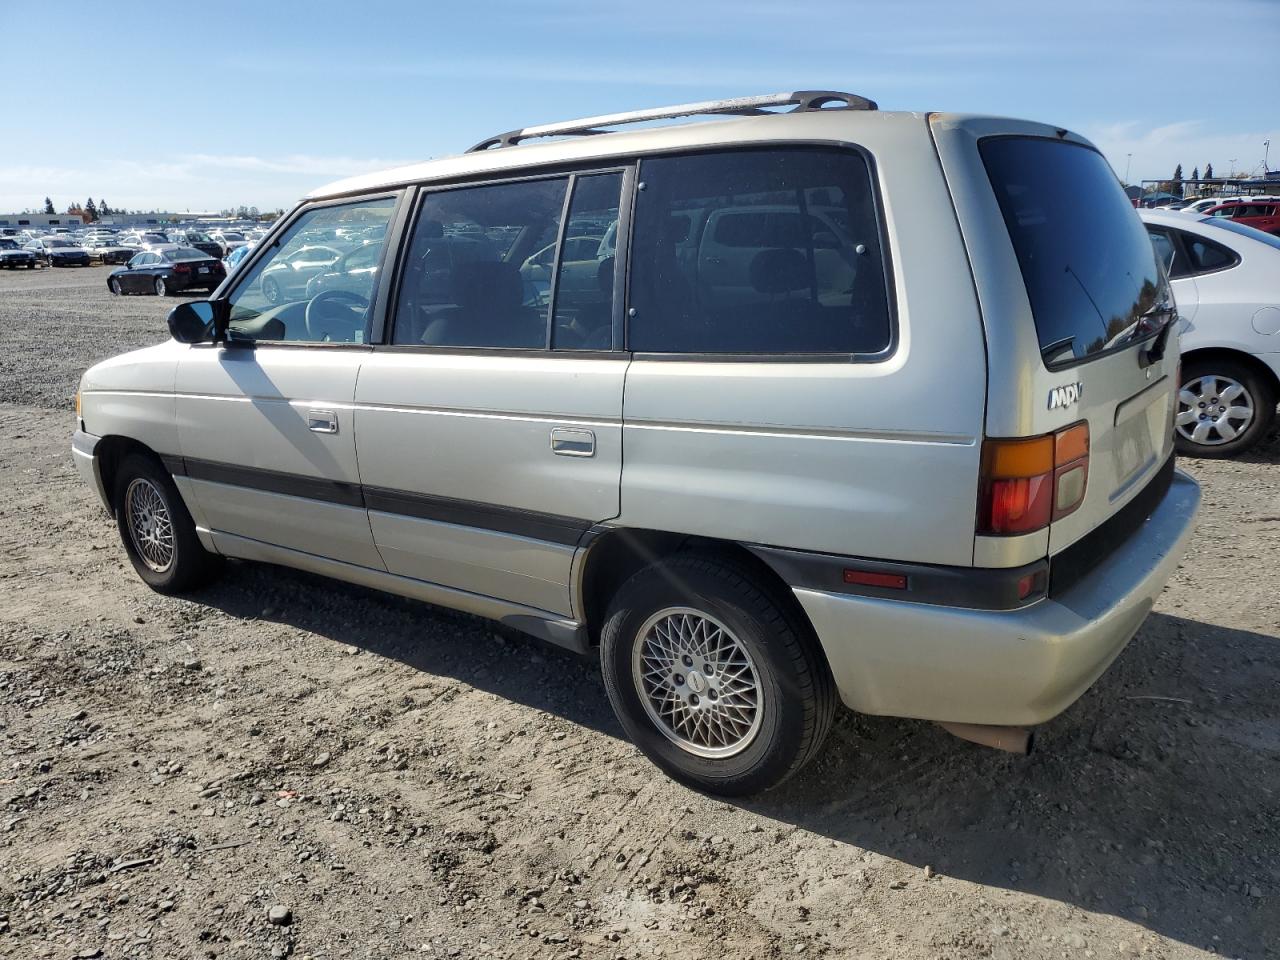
{"x": 114, "y": 284}
{"x": 156, "y": 529}
{"x": 713, "y": 678}
{"x": 161, "y": 289}
{"x": 1224, "y": 408}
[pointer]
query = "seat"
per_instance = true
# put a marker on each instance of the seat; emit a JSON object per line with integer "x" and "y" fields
{"x": 488, "y": 310}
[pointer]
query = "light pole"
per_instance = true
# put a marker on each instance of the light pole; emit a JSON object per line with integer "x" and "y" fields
{"x": 1266, "y": 152}
{"x": 1128, "y": 161}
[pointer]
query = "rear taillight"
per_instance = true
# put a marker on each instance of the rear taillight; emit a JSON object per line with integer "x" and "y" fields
{"x": 182, "y": 268}
{"x": 1026, "y": 484}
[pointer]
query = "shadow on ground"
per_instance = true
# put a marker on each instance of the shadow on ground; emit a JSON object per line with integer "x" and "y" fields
{"x": 1148, "y": 799}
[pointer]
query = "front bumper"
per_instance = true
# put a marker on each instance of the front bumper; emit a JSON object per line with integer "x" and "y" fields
{"x": 84, "y": 453}
{"x": 1008, "y": 667}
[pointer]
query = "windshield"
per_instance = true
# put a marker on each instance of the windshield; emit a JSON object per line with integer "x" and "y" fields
{"x": 1091, "y": 274}
{"x": 232, "y": 236}
{"x": 1244, "y": 230}
{"x": 58, "y": 243}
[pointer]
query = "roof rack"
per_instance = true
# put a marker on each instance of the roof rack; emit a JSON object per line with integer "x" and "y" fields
{"x": 802, "y": 101}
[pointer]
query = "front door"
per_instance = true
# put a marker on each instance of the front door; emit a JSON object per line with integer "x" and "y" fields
{"x": 266, "y": 423}
{"x": 490, "y": 430}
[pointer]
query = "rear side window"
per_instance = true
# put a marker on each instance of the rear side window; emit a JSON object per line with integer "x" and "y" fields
{"x": 758, "y": 252}
{"x": 1206, "y": 255}
{"x": 1088, "y": 264}
{"x": 479, "y": 268}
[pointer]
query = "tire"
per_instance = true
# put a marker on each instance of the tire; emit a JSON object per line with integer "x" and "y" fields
{"x": 1208, "y": 382}
{"x": 161, "y": 289}
{"x": 114, "y": 285}
{"x": 146, "y": 502}
{"x": 271, "y": 290}
{"x": 770, "y": 652}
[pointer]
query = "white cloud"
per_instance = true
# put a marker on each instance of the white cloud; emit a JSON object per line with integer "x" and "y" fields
{"x": 1158, "y": 150}
{"x": 182, "y": 182}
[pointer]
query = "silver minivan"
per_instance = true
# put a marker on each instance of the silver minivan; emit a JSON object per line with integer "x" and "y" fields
{"x": 807, "y": 404}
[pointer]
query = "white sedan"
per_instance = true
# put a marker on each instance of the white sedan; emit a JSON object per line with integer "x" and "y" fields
{"x": 1226, "y": 280}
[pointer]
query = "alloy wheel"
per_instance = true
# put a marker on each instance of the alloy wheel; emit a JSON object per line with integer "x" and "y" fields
{"x": 1213, "y": 410}
{"x": 149, "y": 524}
{"x": 697, "y": 682}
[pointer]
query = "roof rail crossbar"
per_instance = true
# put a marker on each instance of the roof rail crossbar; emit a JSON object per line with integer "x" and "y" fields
{"x": 801, "y": 101}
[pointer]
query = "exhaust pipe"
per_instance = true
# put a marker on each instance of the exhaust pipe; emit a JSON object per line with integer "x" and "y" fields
{"x": 1011, "y": 739}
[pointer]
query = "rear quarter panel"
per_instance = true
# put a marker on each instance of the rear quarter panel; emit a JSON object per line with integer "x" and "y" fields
{"x": 875, "y": 459}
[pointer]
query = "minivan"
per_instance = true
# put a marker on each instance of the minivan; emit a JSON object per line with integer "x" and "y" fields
{"x": 808, "y": 404}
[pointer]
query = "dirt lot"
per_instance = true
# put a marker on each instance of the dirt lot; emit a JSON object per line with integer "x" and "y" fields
{"x": 403, "y": 780}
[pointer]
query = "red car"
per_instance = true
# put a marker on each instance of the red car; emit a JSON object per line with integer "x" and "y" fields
{"x": 1262, "y": 215}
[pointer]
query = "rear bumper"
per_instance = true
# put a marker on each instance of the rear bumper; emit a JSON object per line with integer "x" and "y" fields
{"x": 84, "y": 453}
{"x": 1015, "y": 667}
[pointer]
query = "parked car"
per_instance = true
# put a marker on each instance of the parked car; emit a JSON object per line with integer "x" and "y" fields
{"x": 106, "y": 248}
{"x": 167, "y": 270}
{"x": 232, "y": 259}
{"x": 937, "y": 485}
{"x": 14, "y": 255}
{"x": 1260, "y": 214}
{"x": 1226, "y": 280}
{"x": 230, "y": 239}
{"x": 356, "y": 272}
{"x": 59, "y": 252}
{"x": 200, "y": 241}
{"x": 287, "y": 276}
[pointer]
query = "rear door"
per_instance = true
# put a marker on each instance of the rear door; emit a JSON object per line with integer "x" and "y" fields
{"x": 490, "y": 428}
{"x": 1075, "y": 305}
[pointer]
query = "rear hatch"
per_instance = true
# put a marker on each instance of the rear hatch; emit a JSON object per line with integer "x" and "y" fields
{"x": 1076, "y": 309}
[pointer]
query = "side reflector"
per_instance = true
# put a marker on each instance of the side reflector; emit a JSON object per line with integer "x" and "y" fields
{"x": 869, "y": 578}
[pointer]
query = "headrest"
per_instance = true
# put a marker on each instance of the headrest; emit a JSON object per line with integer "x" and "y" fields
{"x": 780, "y": 270}
{"x": 431, "y": 230}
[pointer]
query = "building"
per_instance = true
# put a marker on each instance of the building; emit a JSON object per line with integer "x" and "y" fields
{"x": 151, "y": 219}
{"x": 17, "y": 222}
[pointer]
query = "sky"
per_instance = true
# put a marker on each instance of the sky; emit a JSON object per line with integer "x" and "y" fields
{"x": 184, "y": 106}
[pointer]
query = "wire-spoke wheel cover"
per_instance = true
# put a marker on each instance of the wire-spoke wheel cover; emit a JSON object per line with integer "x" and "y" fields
{"x": 149, "y": 525}
{"x": 1213, "y": 410}
{"x": 697, "y": 682}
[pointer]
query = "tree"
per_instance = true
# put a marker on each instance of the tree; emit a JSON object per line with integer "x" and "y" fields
{"x": 1195, "y": 173}
{"x": 1176, "y": 183}
{"x": 1208, "y": 171}
{"x": 48, "y": 206}
{"x": 103, "y": 209}
{"x": 90, "y": 211}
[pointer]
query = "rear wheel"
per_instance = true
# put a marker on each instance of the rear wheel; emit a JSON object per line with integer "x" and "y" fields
{"x": 271, "y": 290}
{"x": 713, "y": 678}
{"x": 161, "y": 289}
{"x": 158, "y": 532}
{"x": 1224, "y": 408}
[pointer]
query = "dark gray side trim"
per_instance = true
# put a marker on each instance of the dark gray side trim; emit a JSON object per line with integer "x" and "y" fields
{"x": 972, "y": 587}
{"x": 523, "y": 523}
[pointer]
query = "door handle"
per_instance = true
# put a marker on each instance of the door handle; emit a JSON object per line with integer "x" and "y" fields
{"x": 322, "y": 421}
{"x": 566, "y": 442}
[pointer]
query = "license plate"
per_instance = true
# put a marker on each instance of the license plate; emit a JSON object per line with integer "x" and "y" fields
{"x": 203, "y": 270}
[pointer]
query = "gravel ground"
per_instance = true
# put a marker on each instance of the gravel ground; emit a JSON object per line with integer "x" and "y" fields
{"x": 285, "y": 766}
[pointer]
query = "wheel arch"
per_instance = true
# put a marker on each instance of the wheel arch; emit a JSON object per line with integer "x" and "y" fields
{"x": 111, "y": 452}
{"x": 614, "y": 555}
{"x": 1236, "y": 356}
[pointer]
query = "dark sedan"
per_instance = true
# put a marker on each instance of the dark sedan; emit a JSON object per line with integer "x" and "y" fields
{"x": 12, "y": 255}
{"x": 59, "y": 253}
{"x": 167, "y": 270}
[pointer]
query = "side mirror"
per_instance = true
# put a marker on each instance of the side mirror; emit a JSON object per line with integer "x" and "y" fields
{"x": 193, "y": 322}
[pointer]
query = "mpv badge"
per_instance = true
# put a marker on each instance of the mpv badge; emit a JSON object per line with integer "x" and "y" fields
{"x": 1065, "y": 396}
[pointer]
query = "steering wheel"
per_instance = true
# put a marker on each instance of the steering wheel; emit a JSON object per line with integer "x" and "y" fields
{"x": 329, "y": 316}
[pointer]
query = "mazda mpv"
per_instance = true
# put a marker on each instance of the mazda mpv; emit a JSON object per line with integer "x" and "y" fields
{"x": 808, "y": 404}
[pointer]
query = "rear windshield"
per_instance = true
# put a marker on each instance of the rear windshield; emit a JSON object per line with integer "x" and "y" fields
{"x": 186, "y": 253}
{"x": 1091, "y": 274}
{"x": 1244, "y": 230}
